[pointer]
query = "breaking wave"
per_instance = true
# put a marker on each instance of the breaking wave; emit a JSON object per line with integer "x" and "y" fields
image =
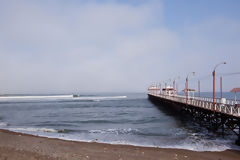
{"x": 61, "y": 97}
{"x": 192, "y": 142}
{"x": 39, "y": 130}
{"x": 36, "y": 97}
{"x": 33, "y": 130}
{"x": 3, "y": 124}
{"x": 98, "y": 98}
{"x": 115, "y": 131}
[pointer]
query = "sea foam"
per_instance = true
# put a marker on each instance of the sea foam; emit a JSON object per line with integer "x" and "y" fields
{"x": 3, "y": 124}
{"x": 34, "y": 130}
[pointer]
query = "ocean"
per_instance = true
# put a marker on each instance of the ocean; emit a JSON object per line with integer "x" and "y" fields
{"x": 114, "y": 118}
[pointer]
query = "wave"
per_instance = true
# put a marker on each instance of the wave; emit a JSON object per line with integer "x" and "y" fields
{"x": 191, "y": 143}
{"x": 34, "y": 130}
{"x": 96, "y": 121}
{"x": 201, "y": 145}
{"x": 115, "y": 131}
{"x": 98, "y": 98}
{"x": 62, "y": 97}
{"x": 206, "y": 145}
{"x": 64, "y": 131}
{"x": 3, "y": 124}
{"x": 36, "y": 97}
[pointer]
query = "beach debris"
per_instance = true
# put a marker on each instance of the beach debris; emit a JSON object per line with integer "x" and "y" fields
{"x": 142, "y": 152}
{"x": 176, "y": 157}
{"x": 104, "y": 149}
{"x": 94, "y": 140}
{"x": 87, "y": 157}
{"x": 185, "y": 156}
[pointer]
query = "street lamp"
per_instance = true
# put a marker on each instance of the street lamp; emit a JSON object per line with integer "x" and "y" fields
{"x": 213, "y": 73}
{"x": 186, "y": 85}
{"x": 156, "y": 88}
{"x": 161, "y": 86}
{"x": 178, "y": 77}
{"x": 165, "y": 82}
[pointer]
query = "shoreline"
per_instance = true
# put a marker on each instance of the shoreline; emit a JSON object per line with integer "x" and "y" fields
{"x": 14, "y": 145}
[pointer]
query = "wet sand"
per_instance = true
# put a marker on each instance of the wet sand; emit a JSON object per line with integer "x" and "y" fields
{"x": 17, "y": 146}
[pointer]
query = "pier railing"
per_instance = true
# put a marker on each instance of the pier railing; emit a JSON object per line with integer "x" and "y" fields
{"x": 229, "y": 107}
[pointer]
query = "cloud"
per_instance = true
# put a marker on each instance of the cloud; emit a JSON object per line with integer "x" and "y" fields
{"x": 207, "y": 43}
{"x": 82, "y": 47}
{"x": 56, "y": 47}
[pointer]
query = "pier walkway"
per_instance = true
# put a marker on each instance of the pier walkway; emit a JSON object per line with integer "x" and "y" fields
{"x": 219, "y": 115}
{"x": 229, "y": 107}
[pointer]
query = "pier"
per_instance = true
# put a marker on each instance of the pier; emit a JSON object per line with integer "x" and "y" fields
{"x": 217, "y": 114}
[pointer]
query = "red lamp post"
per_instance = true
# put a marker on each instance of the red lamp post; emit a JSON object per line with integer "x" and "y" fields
{"x": 186, "y": 89}
{"x": 213, "y": 73}
{"x": 199, "y": 89}
{"x": 174, "y": 87}
{"x": 186, "y": 85}
{"x": 221, "y": 86}
{"x": 166, "y": 83}
{"x": 174, "y": 84}
{"x": 160, "y": 88}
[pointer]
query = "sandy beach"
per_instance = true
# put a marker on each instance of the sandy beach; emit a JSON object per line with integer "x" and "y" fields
{"x": 22, "y": 146}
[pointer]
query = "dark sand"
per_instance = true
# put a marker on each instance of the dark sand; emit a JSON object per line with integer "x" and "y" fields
{"x": 17, "y": 146}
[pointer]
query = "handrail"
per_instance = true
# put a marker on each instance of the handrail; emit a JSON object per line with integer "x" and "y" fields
{"x": 206, "y": 103}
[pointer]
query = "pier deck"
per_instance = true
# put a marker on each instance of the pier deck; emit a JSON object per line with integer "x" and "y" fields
{"x": 218, "y": 116}
{"x": 228, "y": 108}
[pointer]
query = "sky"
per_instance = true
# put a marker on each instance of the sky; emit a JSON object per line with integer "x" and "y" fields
{"x": 80, "y": 46}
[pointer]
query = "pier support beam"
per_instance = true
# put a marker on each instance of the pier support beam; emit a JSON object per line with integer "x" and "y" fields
{"x": 219, "y": 123}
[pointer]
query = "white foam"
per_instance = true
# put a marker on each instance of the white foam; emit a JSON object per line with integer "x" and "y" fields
{"x": 98, "y": 98}
{"x": 3, "y": 124}
{"x": 34, "y": 130}
{"x": 54, "y": 97}
{"x": 36, "y": 97}
{"x": 207, "y": 145}
{"x": 114, "y": 131}
{"x": 198, "y": 148}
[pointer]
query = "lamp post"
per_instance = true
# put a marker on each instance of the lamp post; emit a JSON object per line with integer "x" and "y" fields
{"x": 199, "y": 89}
{"x": 164, "y": 87}
{"x": 176, "y": 88}
{"x": 160, "y": 86}
{"x": 213, "y": 73}
{"x": 169, "y": 80}
{"x": 186, "y": 85}
{"x": 221, "y": 86}
{"x": 178, "y": 77}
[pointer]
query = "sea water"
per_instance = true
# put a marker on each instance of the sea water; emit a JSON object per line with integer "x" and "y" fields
{"x": 115, "y": 118}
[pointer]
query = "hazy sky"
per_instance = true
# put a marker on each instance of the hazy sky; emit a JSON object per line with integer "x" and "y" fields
{"x": 79, "y": 46}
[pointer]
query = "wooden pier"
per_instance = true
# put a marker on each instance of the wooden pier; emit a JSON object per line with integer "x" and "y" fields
{"x": 218, "y": 114}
